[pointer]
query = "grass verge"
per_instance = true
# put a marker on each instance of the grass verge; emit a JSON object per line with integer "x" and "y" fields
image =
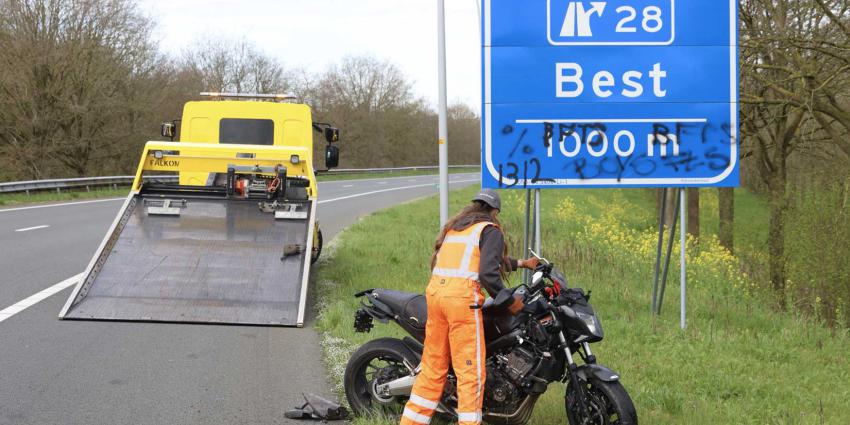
{"x": 738, "y": 362}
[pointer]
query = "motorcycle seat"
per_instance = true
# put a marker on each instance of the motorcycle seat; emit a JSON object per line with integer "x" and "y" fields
{"x": 408, "y": 306}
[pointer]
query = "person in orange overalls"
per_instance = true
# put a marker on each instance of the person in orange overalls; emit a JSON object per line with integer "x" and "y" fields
{"x": 469, "y": 254}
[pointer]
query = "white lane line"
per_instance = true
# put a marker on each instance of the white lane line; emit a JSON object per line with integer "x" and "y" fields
{"x": 389, "y": 190}
{"x": 71, "y": 281}
{"x": 348, "y": 185}
{"x": 382, "y": 182}
{"x": 61, "y": 205}
{"x": 35, "y": 299}
{"x": 27, "y": 229}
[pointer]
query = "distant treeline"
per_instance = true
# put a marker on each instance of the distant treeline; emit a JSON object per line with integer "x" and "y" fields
{"x": 83, "y": 86}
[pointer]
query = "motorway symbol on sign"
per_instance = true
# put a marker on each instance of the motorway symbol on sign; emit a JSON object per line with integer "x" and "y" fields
{"x": 617, "y": 93}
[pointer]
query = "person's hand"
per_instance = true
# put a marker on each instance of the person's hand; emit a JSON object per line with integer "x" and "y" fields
{"x": 516, "y": 306}
{"x": 530, "y": 263}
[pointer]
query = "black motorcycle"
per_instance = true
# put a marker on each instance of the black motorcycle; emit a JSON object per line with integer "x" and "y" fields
{"x": 525, "y": 353}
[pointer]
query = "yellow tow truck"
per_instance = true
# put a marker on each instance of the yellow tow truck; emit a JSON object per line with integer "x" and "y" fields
{"x": 219, "y": 227}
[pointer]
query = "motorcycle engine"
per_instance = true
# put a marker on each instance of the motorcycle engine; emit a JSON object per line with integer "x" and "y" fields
{"x": 501, "y": 396}
{"x": 517, "y": 363}
{"x": 505, "y": 374}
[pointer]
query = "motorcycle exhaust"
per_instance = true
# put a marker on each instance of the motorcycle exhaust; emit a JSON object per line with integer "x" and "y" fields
{"x": 521, "y": 416}
{"x": 399, "y": 387}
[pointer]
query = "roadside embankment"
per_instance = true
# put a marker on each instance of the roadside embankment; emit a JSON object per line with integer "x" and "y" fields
{"x": 738, "y": 361}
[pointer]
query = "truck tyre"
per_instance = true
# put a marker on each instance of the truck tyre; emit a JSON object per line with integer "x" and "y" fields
{"x": 317, "y": 248}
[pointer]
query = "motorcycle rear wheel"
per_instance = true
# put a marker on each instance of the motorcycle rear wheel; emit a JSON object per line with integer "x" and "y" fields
{"x": 376, "y": 362}
{"x": 608, "y": 404}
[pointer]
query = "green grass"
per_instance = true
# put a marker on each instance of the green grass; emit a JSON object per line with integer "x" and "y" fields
{"x": 738, "y": 362}
{"x": 50, "y": 196}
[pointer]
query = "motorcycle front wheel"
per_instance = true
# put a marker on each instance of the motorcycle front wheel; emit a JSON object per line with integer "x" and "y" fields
{"x": 375, "y": 363}
{"x": 607, "y": 403}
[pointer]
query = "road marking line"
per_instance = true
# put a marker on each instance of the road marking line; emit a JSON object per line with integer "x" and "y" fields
{"x": 382, "y": 182}
{"x": 26, "y": 229}
{"x": 348, "y": 185}
{"x": 61, "y": 205}
{"x": 35, "y": 299}
{"x": 388, "y": 190}
{"x": 73, "y": 280}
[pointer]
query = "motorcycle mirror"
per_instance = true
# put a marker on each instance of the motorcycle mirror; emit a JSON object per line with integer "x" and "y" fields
{"x": 536, "y": 255}
{"x": 536, "y": 277}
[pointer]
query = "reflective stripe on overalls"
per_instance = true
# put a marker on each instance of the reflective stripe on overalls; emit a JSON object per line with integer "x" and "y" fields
{"x": 454, "y": 333}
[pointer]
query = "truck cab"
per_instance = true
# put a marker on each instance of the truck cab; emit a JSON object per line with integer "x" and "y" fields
{"x": 252, "y": 119}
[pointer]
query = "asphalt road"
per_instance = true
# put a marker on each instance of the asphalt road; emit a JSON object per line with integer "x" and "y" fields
{"x": 87, "y": 372}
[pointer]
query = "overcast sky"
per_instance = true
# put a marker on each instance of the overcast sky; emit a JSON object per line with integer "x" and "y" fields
{"x": 311, "y": 34}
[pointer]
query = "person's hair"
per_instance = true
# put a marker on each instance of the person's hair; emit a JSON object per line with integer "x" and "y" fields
{"x": 475, "y": 212}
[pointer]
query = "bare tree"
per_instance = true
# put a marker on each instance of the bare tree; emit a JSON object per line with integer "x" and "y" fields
{"x": 70, "y": 71}
{"x": 464, "y": 134}
{"x": 235, "y": 66}
{"x": 795, "y": 81}
{"x": 364, "y": 83}
{"x": 372, "y": 101}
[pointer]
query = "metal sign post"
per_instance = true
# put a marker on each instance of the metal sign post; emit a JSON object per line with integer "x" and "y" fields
{"x": 537, "y": 240}
{"x": 609, "y": 93}
{"x": 526, "y": 244}
{"x": 683, "y": 213}
{"x": 658, "y": 295}
{"x": 662, "y": 212}
{"x": 443, "y": 120}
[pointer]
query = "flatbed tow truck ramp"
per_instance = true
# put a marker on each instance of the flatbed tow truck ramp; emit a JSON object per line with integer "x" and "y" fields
{"x": 235, "y": 251}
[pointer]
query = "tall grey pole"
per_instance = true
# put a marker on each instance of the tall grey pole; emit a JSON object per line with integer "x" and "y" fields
{"x": 683, "y": 213}
{"x": 537, "y": 221}
{"x": 443, "y": 121}
{"x": 526, "y": 243}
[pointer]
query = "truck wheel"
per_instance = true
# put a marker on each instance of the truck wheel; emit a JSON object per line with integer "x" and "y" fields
{"x": 317, "y": 248}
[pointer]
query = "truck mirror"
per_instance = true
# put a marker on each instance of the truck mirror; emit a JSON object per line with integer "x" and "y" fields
{"x": 331, "y": 156}
{"x": 167, "y": 130}
{"x": 332, "y": 134}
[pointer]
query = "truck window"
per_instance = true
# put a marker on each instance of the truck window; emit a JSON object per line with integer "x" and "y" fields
{"x": 246, "y": 131}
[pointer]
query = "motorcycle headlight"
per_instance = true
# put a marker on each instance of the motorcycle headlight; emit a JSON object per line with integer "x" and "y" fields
{"x": 591, "y": 322}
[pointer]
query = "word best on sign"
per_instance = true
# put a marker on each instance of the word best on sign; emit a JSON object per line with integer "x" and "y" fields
{"x": 617, "y": 93}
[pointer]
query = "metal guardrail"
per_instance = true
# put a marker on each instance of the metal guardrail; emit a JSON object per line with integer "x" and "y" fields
{"x": 74, "y": 183}
{"x": 390, "y": 170}
{"x": 88, "y": 183}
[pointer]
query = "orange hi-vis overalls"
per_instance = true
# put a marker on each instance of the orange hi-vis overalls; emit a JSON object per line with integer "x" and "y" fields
{"x": 454, "y": 333}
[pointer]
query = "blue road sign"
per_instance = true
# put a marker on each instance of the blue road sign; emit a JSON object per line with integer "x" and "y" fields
{"x": 617, "y": 93}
